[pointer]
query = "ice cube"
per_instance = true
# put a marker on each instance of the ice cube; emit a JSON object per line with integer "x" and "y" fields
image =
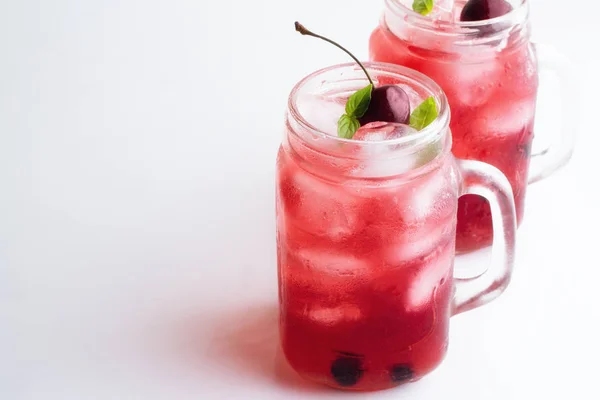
{"x": 320, "y": 112}
{"x": 334, "y": 315}
{"x": 321, "y": 208}
{"x": 415, "y": 244}
{"x": 380, "y": 159}
{"x": 428, "y": 278}
{"x": 473, "y": 84}
{"x": 502, "y": 118}
{"x": 333, "y": 263}
{"x": 443, "y": 10}
{"x": 379, "y": 131}
{"x": 386, "y": 168}
{"x": 427, "y": 196}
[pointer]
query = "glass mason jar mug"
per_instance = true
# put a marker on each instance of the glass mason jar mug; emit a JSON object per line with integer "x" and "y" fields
{"x": 366, "y": 237}
{"x": 489, "y": 72}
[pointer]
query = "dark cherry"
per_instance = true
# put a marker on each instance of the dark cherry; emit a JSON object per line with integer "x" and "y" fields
{"x": 347, "y": 370}
{"x": 401, "y": 373}
{"x": 389, "y": 103}
{"x": 480, "y": 10}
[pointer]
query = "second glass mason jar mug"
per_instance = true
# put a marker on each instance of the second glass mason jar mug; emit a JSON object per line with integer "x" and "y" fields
{"x": 489, "y": 71}
{"x": 366, "y": 238}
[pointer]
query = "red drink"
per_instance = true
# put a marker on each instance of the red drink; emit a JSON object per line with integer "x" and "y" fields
{"x": 366, "y": 280}
{"x": 366, "y": 238}
{"x": 490, "y": 78}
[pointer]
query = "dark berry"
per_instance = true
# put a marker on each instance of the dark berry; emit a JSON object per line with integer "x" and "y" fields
{"x": 346, "y": 370}
{"x": 480, "y": 10}
{"x": 389, "y": 103}
{"x": 401, "y": 373}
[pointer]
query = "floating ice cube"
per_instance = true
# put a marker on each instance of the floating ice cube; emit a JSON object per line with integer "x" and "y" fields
{"x": 378, "y": 131}
{"x": 506, "y": 118}
{"x": 473, "y": 84}
{"x": 442, "y": 10}
{"x": 415, "y": 244}
{"x": 427, "y": 194}
{"x": 335, "y": 315}
{"x": 429, "y": 277}
{"x": 380, "y": 158}
{"x": 320, "y": 112}
{"x": 333, "y": 263}
{"x": 386, "y": 168}
{"x": 324, "y": 209}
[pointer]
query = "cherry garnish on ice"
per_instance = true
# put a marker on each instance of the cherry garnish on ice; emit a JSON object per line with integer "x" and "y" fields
{"x": 387, "y": 103}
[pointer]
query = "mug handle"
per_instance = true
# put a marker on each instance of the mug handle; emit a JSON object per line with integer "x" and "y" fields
{"x": 544, "y": 163}
{"x": 485, "y": 180}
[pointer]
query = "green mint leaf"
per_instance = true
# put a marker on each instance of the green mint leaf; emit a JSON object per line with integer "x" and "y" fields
{"x": 423, "y": 7}
{"x": 424, "y": 115}
{"x": 358, "y": 103}
{"x": 347, "y": 126}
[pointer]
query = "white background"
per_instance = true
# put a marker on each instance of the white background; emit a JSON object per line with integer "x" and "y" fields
{"x": 137, "y": 257}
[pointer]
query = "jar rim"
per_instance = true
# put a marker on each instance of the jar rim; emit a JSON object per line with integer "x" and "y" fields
{"x": 437, "y": 128}
{"x": 518, "y": 15}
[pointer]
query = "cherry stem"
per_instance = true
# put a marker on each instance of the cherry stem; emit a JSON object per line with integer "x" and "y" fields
{"x": 300, "y": 28}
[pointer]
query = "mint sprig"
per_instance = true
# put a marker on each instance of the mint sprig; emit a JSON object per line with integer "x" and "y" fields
{"x": 424, "y": 114}
{"x": 356, "y": 106}
{"x": 423, "y": 7}
{"x": 347, "y": 126}
{"x": 358, "y": 103}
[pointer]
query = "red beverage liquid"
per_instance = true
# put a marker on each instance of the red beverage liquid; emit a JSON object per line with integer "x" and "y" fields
{"x": 492, "y": 92}
{"x": 365, "y": 269}
{"x": 366, "y": 231}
